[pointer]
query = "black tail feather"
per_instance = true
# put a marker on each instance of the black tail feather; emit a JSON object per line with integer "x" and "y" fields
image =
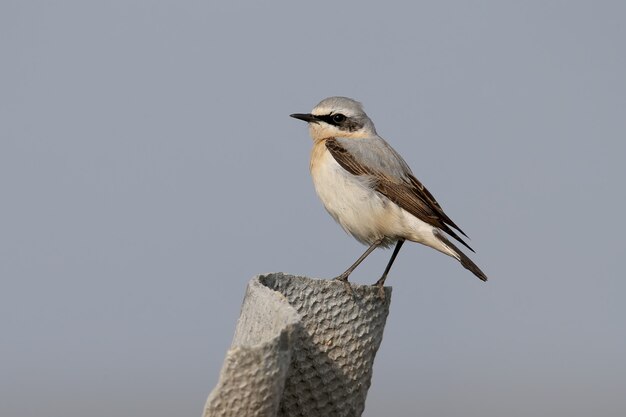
{"x": 457, "y": 237}
{"x": 465, "y": 261}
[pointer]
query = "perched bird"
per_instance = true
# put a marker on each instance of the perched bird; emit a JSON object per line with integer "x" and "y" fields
{"x": 370, "y": 190}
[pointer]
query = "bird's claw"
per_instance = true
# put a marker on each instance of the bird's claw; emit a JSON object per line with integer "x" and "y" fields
{"x": 380, "y": 284}
{"x": 346, "y": 283}
{"x": 381, "y": 290}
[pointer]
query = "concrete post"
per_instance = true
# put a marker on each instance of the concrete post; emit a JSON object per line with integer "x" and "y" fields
{"x": 303, "y": 347}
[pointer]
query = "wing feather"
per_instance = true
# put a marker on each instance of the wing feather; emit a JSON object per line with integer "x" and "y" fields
{"x": 408, "y": 192}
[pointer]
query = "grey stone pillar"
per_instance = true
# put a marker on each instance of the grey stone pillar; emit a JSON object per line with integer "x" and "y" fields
{"x": 302, "y": 347}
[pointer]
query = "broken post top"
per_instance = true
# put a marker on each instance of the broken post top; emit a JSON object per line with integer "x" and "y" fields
{"x": 303, "y": 347}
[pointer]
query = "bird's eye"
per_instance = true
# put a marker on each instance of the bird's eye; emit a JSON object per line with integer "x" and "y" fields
{"x": 338, "y": 118}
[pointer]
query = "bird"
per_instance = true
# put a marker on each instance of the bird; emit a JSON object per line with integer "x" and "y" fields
{"x": 369, "y": 189}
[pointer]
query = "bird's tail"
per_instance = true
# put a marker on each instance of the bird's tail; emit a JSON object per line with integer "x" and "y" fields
{"x": 456, "y": 253}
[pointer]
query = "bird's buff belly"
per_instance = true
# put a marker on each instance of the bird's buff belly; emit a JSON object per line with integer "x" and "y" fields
{"x": 359, "y": 209}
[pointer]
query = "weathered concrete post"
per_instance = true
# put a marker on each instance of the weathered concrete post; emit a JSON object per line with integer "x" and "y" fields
{"x": 302, "y": 347}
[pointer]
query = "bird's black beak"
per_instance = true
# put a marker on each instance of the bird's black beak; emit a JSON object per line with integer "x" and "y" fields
{"x": 309, "y": 118}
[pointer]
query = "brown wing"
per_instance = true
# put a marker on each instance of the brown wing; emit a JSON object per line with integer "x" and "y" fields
{"x": 409, "y": 193}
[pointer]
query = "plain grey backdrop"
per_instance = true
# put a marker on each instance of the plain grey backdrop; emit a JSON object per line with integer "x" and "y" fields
{"x": 148, "y": 169}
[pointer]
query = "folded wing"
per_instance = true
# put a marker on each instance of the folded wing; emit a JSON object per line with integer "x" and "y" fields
{"x": 392, "y": 177}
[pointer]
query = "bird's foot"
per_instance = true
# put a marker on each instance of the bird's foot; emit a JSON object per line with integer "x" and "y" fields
{"x": 380, "y": 284}
{"x": 344, "y": 278}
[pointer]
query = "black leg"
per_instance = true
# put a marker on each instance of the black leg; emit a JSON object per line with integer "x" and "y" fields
{"x": 381, "y": 282}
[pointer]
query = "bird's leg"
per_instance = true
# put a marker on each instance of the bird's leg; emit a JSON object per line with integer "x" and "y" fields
{"x": 344, "y": 277}
{"x": 381, "y": 282}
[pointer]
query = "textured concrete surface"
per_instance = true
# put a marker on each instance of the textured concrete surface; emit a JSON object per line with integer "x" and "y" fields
{"x": 302, "y": 347}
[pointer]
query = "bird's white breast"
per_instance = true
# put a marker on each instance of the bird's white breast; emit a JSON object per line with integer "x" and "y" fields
{"x": 352, "y": 202}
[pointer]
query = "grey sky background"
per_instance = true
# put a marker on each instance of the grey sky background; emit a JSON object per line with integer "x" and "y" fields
{"x": 148, "y": 169}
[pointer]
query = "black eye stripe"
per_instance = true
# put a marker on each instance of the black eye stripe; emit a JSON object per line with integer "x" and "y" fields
{"x": 338, "y": 118}
{"x": 342, "y": 122}
{"x": 333, "y": 119}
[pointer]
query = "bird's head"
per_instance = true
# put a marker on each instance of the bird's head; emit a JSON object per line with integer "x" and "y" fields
{"x": 338, "y": 117}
